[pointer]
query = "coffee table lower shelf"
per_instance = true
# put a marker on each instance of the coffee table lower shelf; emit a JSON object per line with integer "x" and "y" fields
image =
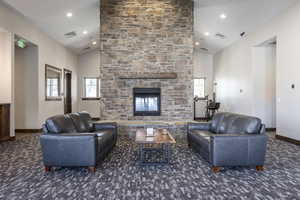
{"x": 164, "y": 149}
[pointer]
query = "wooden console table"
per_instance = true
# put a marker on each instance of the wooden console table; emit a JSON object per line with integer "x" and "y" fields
{"x": 5, "y": 122}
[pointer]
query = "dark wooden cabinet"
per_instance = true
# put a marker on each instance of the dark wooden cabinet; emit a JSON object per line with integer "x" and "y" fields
{"x": 4, "y": 122}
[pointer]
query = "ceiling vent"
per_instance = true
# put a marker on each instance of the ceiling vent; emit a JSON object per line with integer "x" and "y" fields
{"x": 203, "y": 49}
{"x": 221, "y": 36}
{"x": 70, "y": 34}
{"x": 87, "y": 48}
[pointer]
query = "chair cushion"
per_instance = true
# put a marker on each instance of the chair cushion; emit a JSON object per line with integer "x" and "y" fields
{"x": 60, "y": 124}
{"x": 216, "y": 122}
{"x": 105, "y": 138}
{"x": 202, "y": 138}
{"x": 242, "y": 124}
{"x": 80, "y": 124}
{"x": 228, "y": 123}
{"x": 87, "y": 120}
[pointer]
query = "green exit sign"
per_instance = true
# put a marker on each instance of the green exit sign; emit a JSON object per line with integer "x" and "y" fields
{"x": 21, "y": 43}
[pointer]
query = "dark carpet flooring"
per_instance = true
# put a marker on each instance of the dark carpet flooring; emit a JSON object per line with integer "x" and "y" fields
{"x": 119, "y": 177}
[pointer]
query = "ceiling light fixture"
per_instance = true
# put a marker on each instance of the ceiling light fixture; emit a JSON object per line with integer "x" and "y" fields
{"x": 94, "y": 43}
{"x": 223, "y": 16}
{"x": 197, "y": 43}
{"x": 85, "y": 32}
{"x": 206, "y": 33}
{"x": 69, "y": 14}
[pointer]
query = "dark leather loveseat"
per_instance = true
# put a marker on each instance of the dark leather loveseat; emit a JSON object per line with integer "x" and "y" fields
{"x": 230, "y": 140}
{"x": 75, "y": 140}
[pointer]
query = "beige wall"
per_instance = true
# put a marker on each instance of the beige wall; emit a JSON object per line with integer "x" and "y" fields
{"x": 203, "y": 68}
{"x": 26, "y": 88}
{"x": 234, "y": 71}
{"x": 88, "y": 66}
{"x": 50, "y": 52}
{"x": 5, "y": 67}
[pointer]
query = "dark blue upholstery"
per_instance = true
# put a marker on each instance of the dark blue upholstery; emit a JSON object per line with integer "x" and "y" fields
{"x": 230, "y": 140}
{"x": 75, "y": 140}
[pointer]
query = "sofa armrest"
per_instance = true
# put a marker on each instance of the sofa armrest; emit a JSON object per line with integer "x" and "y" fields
{"x": 69, "y": 149}
{"x": 104, "y": 125}
{"x": 238, "y": 149}
{"x": 204, "y": 126}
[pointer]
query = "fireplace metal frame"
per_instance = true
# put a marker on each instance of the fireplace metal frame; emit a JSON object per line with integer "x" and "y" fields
{"x": 149, "y": 92}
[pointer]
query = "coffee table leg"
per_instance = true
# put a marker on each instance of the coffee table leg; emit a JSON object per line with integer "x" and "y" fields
{"x": 141, "y": 154}
{"x": 167, "y": 152}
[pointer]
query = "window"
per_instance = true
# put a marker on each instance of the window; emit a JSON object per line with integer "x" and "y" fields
{"x": 52, "y": 83}
{"x": 199, "y": 87}
{"x": 91, "y": 88}
{"x": 52, "y": 87}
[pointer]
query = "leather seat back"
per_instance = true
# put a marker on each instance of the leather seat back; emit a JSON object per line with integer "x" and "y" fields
{"x": 80, "y": 123}
{"x": 235, "y": 123}
{"x": 216, "y": 122}
{"x": 60, "y": 124}
{"x": 87, "y": 120}
{"x": 242, "y": 124}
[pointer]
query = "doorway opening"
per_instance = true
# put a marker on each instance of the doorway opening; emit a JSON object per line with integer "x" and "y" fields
{"x": 265, "y": 59}
{"x": 67, "y": 91}
{"x": 26, "y": 91}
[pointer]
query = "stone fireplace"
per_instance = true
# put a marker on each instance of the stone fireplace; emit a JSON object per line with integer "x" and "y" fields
{"x": 146, "y": 45}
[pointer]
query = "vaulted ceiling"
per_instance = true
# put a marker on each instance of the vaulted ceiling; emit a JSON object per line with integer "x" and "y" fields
{"x": 241, "y": 16}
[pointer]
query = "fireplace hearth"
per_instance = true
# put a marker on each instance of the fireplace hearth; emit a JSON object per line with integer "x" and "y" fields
{"x": 146, "y": 101}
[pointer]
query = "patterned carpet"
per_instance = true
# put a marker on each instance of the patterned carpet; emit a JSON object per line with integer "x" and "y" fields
{"x": 119, "y": 177}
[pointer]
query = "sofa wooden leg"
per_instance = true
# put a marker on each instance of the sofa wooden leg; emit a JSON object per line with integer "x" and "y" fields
{"x": 47, "y": 168}
{"x": 260, "y": 168}
{"x": 92, "y": 169}
{"x": 216, "y": 169}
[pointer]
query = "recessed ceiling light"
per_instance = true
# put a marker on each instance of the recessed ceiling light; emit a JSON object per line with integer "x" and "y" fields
{"x": 223, "y": 16}
{"x": 69, "y": 14}
{"x": 207, "y": 33}
{"x": 85, "y": 32}
{"x": 197, "y": 43}
{"x": 94, "y": 43}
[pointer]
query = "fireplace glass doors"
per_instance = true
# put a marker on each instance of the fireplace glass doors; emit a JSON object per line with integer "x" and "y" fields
{"x": 146, "y": 101}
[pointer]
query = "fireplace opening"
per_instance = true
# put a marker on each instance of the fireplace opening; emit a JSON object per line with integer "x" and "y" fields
{"x": 146, "y": 101}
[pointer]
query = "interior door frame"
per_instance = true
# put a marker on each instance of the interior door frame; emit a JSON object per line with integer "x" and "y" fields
{"x": 67, "y": 71}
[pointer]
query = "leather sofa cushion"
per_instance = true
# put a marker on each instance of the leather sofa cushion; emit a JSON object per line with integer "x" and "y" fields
{"x": 216, "y": 122}
{"x": 202, "y": 138}
{"x": 105, "y": 137}
{"x": 106, "y": 134}
{"x": 60, "y": 124}
{"x": 243, "y": 124}
{"x": 80, "y": 125}
{"x": 87, "y": 120}
{"x": 237, "y": 124}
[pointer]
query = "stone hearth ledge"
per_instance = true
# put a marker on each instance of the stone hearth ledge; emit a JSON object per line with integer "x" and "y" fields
{"x": 128, "y": 128}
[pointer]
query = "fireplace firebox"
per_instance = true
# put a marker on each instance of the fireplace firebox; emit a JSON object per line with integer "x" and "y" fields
{"x": 147, "y": 101}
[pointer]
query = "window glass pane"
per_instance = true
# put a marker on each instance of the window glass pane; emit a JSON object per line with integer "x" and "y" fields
{"x": 52, "y": 87}
{"x": 199, "y": 87}
{"x": 91, "y": 87}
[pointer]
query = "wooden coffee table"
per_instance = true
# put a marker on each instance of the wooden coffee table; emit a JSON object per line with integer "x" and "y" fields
{"x": 160, "y": 142}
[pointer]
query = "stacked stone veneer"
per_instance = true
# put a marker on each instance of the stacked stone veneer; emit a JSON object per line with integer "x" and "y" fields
{"x": 146, "y": 36}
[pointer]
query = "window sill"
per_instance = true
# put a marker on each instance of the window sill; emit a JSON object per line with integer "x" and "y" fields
{"x": 90, "y": 98}
{"x": 53, "y": 99}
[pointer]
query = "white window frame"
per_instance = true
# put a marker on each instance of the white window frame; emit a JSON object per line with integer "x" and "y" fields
{"x": 204, "y": 85}
{"x": 84, "y": 89}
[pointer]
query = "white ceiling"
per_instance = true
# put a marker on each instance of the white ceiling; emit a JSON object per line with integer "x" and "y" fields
{"x": 50, "y": 17}
{"x": 242, "y": 15}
